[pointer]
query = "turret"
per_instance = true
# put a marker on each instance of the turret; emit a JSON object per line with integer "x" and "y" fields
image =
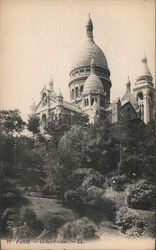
{"x": 128, "y": 85}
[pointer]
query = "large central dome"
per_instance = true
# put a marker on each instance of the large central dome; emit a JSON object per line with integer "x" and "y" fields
{"x": 88, "y": 51}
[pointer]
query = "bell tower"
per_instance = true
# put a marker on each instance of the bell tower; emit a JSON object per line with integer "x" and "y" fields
{"x": 144, "y": 92}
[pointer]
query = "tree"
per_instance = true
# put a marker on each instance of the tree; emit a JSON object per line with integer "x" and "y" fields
{"x": 71, "y": 147}
{"x": 136, "y": 148}
{"x": 93, "y": 147}
{"x": 56, "y": 127}
{"x": 33, "y": 125}
{"x": 101, "y": 148}
{"x": 80, "y": 119}
{"x": 59, "y": 125}
{"x": 11, "y": 122}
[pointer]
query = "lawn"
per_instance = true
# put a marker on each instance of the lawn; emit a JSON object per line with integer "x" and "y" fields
{"x": 43, "y": 205}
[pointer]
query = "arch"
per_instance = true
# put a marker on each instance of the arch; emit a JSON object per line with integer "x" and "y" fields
{"x": 151, "y": 95}
{"x": 87, "y": 102}
{"x": 76, "y": 92}
{"x": 44, "y": 120}
{"x": 72, "y": 93}
{"x": 81, "y": 89}
{"x": 44, "y": 98}
{"x": 140, "y": 95}
{"x": 92, "y": 100}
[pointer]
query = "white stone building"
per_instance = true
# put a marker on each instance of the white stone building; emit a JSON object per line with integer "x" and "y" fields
{"x": 90, "y": 87}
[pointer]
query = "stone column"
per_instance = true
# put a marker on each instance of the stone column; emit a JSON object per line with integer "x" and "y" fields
{"x": 146, "y": 108}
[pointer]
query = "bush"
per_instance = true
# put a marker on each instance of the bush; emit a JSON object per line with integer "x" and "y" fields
{"x": 29, "y": 218}
{"x": 24, "y": 232}
{"x": 94, "y": 193}
{"x": 52, "y": 223}
{"x": 93, "y": 179}
{"x": 134, "y": 232}
{"x": 82, "y": 229}
{"x": 71, "y": 196}
{"x": 118, "y": 183}
{"x": 140, "y": 195}
{"x": 108, "y": 208}
{"x": 127, "y": 219}
{"x": 148, "y": 217}
{"x": 10, "y": 219}
{"x": 10, "y": 199}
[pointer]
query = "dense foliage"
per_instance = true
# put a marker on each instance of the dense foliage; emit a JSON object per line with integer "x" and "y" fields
{"x": 78, "y": 163}
{"x": 79, "y": 230}
{"x": 33, "y": 125}
{"x": 140, "y": 195}
{"x": 11, "y": 121}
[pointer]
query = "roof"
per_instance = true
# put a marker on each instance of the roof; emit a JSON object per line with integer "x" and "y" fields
{"x": 93, "y": 84}
{"x": 89, "y": 50}
{"x": 128, "y": 97}
{"x": 144, "y": 69}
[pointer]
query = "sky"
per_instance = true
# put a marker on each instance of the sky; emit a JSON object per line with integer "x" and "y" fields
{"x": 39, "y": 38}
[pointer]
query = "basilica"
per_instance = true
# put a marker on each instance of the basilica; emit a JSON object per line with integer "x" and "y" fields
{"x": 90, "y": 87}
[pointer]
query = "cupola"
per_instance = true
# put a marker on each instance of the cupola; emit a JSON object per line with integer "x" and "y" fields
{"x": 93, "y": 83}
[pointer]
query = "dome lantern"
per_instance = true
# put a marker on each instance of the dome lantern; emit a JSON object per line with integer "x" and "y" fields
{"x": 51, "y": 84}
{"x": 89, "y": 28}
{"x": 128, "y": 85}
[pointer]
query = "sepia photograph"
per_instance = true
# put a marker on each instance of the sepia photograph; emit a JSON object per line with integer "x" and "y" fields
{"x": 77, "y": 124}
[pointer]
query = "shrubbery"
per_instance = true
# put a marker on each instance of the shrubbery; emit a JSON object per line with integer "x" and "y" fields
{"x": 10, "y": 219}
{"x": 118, "y": 183}
{"x": 72, "y": 196}
{"x": 94, "y": 178}
{"x": 129, "y": 222}
{"x": 91, "y": 203}
{"x": 82, "y": 229}
{"x": 52, "y": 223}
{"x": 29, "y": 218}
{"x": 140, "y": 195}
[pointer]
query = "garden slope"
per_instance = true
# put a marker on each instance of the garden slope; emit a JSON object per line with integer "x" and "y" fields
{"x": 43, "y": 205}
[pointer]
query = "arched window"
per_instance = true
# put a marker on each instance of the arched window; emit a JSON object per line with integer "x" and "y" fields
{"x": 76, "y": 92}
{"x": 81, "y": 89}
{"x": 72, "y": 94}
{"x": 44, "y": 99}
{"x": 44, "y": 118}
{"x": 87, "y": 102}
{"x": 140, "y": 96}
{"x": 92, "y": 101}
{"x": 151, "y": 96}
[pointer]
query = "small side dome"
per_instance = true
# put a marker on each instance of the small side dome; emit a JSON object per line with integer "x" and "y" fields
{"x": 128, "y": 95}
{"x": 93, "y": 83}
{"x": 59, "y": 94}
{"x": 144, "y": 70}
